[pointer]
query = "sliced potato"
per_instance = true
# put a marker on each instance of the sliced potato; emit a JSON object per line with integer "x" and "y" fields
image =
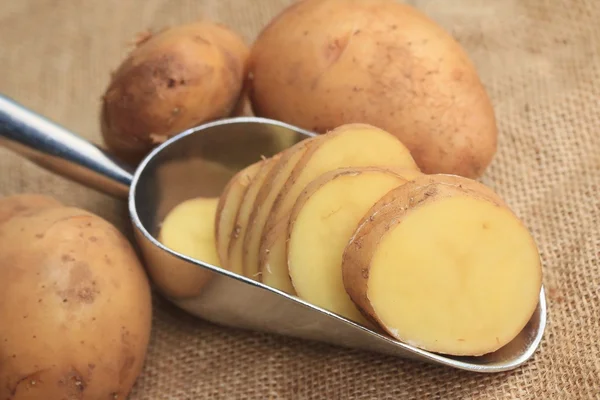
{"x": 189, "y": 229}
{"x": 444, "y": 268}
{"x": 351, "y": 145}
{"x": 228, "y": 207}
{"x": 321, "y": 224}
{"x": 236, "y": 241}
{"x": 264, "y": 202}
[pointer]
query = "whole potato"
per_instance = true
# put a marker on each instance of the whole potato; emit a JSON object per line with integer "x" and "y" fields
{"x": 12, "y": 206}
{"x": 176, "y": 79}
{"x": 324, "y": 63}
{"x": 75, "y": 308}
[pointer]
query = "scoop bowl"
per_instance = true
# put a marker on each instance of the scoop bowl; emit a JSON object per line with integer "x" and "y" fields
{"x": 199, "y": 162}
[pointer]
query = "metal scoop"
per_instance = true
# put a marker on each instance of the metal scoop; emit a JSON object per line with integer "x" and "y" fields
{"x": 198, "y": 162}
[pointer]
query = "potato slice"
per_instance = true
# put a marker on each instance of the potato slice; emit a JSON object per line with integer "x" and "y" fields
{"x": 189, "y": 229}
{"x": 351, "y": 145}
{"x": 322, "y": 222}
{"x": 264, "y": 202}
{"x": 444, "y": 268}
{"x": 236, "y": 241}
{"x": 228, "y": 207}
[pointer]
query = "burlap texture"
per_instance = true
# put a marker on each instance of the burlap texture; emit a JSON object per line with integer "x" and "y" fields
{"x": 540, "y": 60}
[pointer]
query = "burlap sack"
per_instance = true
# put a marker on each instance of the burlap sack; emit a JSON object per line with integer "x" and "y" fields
{"x": 540, "y": 61}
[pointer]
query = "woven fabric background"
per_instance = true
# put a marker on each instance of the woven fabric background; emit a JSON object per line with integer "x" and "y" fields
{"x": 540, "y": 60}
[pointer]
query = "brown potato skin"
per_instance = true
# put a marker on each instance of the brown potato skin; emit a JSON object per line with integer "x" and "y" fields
{"x": 263, "y": 194}
{"x": 467, "y": 183}
{"x": 75, "y": 308}
{"x": 383, "y": 63}
{"x": 383, "y": 216}
{"x": 247, "y": 174}
{"x": 18, "y": 204}
{"x": 177, "y": 79}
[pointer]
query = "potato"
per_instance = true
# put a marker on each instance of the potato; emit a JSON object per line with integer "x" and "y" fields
{"x": 12, "y": 206}
{"x": 75, "y": 308}
{"x": 379, "y": 62}
{"x": 174, "y": 80}
{"x": 189, "y": 229}
{"x": 322, "y": 222}
{"x": 228, "y": 208}
{"x": 265, "y": 199}
{"x": 443, "y": 268}
{"x": 236, "y": 241}
{"x": 343, "y": 147}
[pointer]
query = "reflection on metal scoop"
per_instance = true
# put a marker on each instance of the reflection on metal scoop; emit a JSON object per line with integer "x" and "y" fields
{"x": 199, "y": 162}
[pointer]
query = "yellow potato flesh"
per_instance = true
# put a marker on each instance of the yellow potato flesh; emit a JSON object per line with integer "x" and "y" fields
{"x": 351, "y": 147}
{"x": 189, "y": 229}
{"x": 458, "y": 276}
{"x": 227, "y": 210}
{"x": 235, "y": 255}
{"x": 262, "y": 207}
{"x": 322, "y": 228}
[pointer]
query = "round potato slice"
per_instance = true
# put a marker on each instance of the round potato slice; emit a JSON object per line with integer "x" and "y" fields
{"x": 444, "y": 268}
{"x": 265, "y": 199}
{"x": 189, "y": 229}
{"x": 352, "y": 145}
{"x": 322, "y": 222}
{"x": 228, "y": 208}
{"x": 236, "y": 241}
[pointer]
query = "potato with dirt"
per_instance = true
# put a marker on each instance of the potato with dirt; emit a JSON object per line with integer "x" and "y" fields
{"x": 324, "y": 63}
{"x": 176, "y": 79}
{"x": 75, "y": 307}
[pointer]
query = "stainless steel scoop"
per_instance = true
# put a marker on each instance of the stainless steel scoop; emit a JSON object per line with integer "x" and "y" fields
{"x": 198, "y": 162}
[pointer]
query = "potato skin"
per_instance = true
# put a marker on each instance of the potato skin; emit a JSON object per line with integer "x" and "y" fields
{"x": 229, "y": 206}
{"x": 379, "y": 62}
{"x": 466, "y": 183}
{"x": 179, "y": 78}
{"x": 15, "y": 205}
{"x": 75, "y": 308}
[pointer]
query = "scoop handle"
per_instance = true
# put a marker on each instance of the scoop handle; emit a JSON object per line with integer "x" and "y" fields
{"x": 60, "y": 151}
